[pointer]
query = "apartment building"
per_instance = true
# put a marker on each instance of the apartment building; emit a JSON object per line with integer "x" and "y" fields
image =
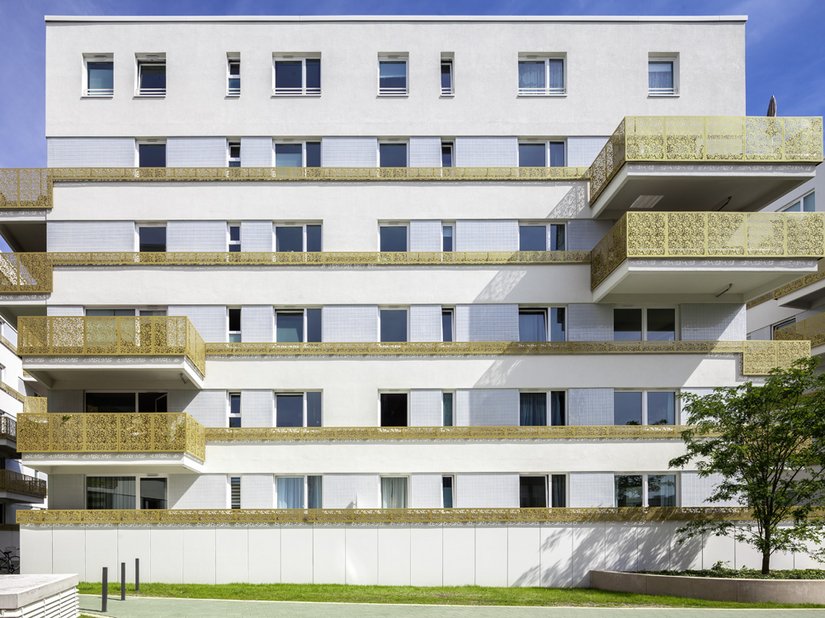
{"x": 359, "y": 300}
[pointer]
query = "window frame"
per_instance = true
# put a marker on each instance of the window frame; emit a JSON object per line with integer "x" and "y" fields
{"x": 452, "y": 478}
{"x": 406, "y": 310}
{"x": 149, "y": 141}
{"x": 547, "y": 151}
{"x": 546, "y": 91}
{"x": 781, "y": 324}
{"x": 232, "y": 58}
{"x": 97, "y": 93}
{"x": 660, "y": 57}
{"x": 390, "y": 391}
{"x": 677, "y": 335}
{"x": 147, "y": 60}
{"x": 138, "y": 478}
{"x": 305, "y": 478}
{"x": 304, "y": 407}
{"x": 645, "y": 489}
{"x": 451, "y": 395}
{"x": 292, "y": 142}
{"x": 304, "y": 311}
{"x": 547, "y": 310}
{"x": 230, "y": 416}
{"x": 233, "y": 243}
{"x": 393, "y": 91}
{"x": 151, "y": 224}
{"x": 304, "y": 90}
{"x": 450, "y": 145}
{"x": 645, "y": 408}
{"x": 447, "y": 59}
{"x": 238, "y": 334}
{"x": 547, "y": 494}
{"x": 451, "y": 311}
{"x": 230, "y": 144}
{"x": 407, "y": 488}
{"x": 404, "y": 224}
{"x": 800, "y": 201}
{"x": 304, "y": 239}
{"x": 393, "y": 142}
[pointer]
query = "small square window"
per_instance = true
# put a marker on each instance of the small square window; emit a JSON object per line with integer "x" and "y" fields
{"x": 392, "y": 76}
{"x": 629, "y": 490}
{"x": 533, "y": 492}
{"x": 289, "y": 155}
{"x": 532, "y": 325}
{"x": 151, "y": 238}
{"x": 392, "y": 238}
{"x": 532, "y": 238}
{"x": 393, "y": 409}
{"x": 151, "y": 75}
{"x": 289, "y": 238}
{"x": 392, "y": 154}
{"x": 532, "y": 409}
{"x": 627, "y": 324}
{"x": 393, "y": 492}
{"x": 532, "y": 154}
{"x": 393, "y": 325}
{"x": 151, "y": 154}
{"x": 661, "y": 408}
{"x": 289, "y": 410}
{"x": 661, "y": 490}
{"x": 627, "y": 408}
{"x": 100, "y": 70}
{"x": 661, "y": 76}
{"x": 289, "y": 326}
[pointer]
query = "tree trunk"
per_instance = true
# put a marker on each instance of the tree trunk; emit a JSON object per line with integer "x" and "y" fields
{"x": 766, "y": 563}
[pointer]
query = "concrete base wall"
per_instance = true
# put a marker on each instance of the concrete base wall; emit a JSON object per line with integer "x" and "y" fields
{"x": 713, "y": 588}
{"x": 559, "y": 555}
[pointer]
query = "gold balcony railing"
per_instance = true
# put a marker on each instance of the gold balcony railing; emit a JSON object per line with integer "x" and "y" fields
{"x": 17, "y": 483}
{"x": 8, "y": 428}
{"x": 98, "y": 432}
{"x": 697, "y": 139}
{"x": 25, "y": 189}
{"x": 690, "y": 235}
{"x": 210, "y": 517}
{"x": 25, "y": 273}
{"x": 111, "y": 336}
{"x": 811, "y": 329}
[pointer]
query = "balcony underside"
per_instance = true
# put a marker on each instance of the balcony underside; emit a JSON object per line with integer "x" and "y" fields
{"x": 13, "y": 497}
{"x": 112, "y": 463}
{"x": 168, "y": 372}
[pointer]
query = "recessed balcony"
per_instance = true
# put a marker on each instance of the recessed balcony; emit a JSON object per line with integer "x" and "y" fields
{"x": 705, "y": 253}
{"x": 8, "y": 435}
{"x": 811, "y": 329}
{"x": 141, "y": 441}
{"x": 112, "y": 352}
{"x": 710, "y": 163}
{"x": 17, "y": 487}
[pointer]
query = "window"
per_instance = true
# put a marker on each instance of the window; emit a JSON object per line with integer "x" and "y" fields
{"x": 392, "y": 75}
{"x": 532, "y": 409}
{"x": 447, "y": 154}
{"x": 393, "y": 409}
{"x": 447, "y": 484}
{"x": 298, "y": 409}
{"x": 532, "y": 492}
{"x": 645, "y": 490}
{"x": 392, "y": 154}
{"x": 313, "y": 409}
{"x": 532, "y": 324}
{"x": 126, "y": 402}
{"x": 393, "y": 325}
{"x": 661, "y": 75}
{"x": 110, "y": 492}
{"x": 298, "y": 154}
{"x": 233, "y": 153}
{"x": 627, "y": 408}
{"x": 233, "y": 75}
{"x": 297, "y": 238}
{"x": 393, "y": 492}
{"x": 234, "y": 410}
{"x": 447, "y": 409}
{"x": 234, "y": 323}
{"x": 447, "y": 237}
{"x": 537, "y": 154}
{"x": 447, "y": 85}
{"x": 234, "y": 492}
{"x": 780, "y": 325}
{"x": 296, "y": 76}
{"x": 296, "y": 325}
{"x": 392, "y": 238}
{"x": 152, "y": 493}
{"x": 647, "y": 324}
{"x": 151, "y": 154}
{"x": 644, "y": 408}
{"x": 534, "y": 237}
{"x": 151, "y": 238}
{"x": 447, "y": 323}
{"x": 661, "y": 408}
{"x": 541, "y": 76}
{"x": 807, "y": 203}
{"x": 234, "y": 239}
{"x": 151, "y": 75}
{"x": 558, "y": 408}
{"x": 629, "y": 490}
{"x": 100, "y": 71}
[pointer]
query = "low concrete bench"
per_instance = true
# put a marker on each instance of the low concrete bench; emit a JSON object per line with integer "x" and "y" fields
{"x": 50, "y": 596}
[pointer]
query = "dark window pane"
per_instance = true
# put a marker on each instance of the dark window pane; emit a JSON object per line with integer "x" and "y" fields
{"x": 661, "y": 490}
{"x": 289, "y": 239}
{"x": 314, "y": 409}
{"x": 313, "y": 151}
{"x": 532, "y": 409}
{"x": 627, "y": 408}
{"x": 313, "y": 72}
{"x": 447, "y": 238}
{"x": 532, "y": 492}
{"x": 447, "y": 325}
{"x": 314, "y": 325}
{"x": 446, "y": 75}
{"x": 629, "y": 490}
{"x": 152, "y": 402}
{"x": 313, "y": 238}
{"x": 557, "y": 237}
{"x": 661, "y": 324}
{"x": 235, "y": 232}
{"x": 235, "y": 421}
{"x": 100, "y": 75}
{"x": 447, "y": 492}
{"x": 557, "y": 158}
{"x": 393, "y": 325}
{"x": 392, "y": 74}
{"x": 289, "y": 410}
{"x": 235, "y": 320}
{"x": 110, "y": 402}
{"x": 446, "y": 155}
{"x": 393, "y": 409}
{"x": 314, "y": 494}
{"x": 532, "y": 325}
{"x": 289, "y": 326}
{"x": 532, "y": 155}
{"x": 661, "y": 408}
{"x": 289, "y": 155}
{"x": 235, "y": 403}
{"x": 392, "y": 155}
{"x": 393, "y": 238}
{"x": 627, "y": 324}
{"x": 558, "y": 412}
{"x": 532, "y": 238}
{"x": 447, "y": 409}
{"x": 557, "y": 324}
{"x": 151, "y": 239}
{"x": 153, "y": 76}
{"x": 288, "y": 74}
{"x": 234, "y": 67}
{"x": 558, "y": 486}
{"x": 110, "y": 492}
{"x": 234, "y": 83}
{"x": 153, "y": 493}
{"x": 152, "y": 155}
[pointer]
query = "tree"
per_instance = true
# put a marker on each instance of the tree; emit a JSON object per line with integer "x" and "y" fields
{"x": 767, "y": 445}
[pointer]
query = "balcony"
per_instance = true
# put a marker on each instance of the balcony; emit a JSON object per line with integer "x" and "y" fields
{"x": 25, "y": 274}
{"x": 811, "y": 329}
{"x": 17, "y": 487}
{"x": 153, "y": 441}
{"x": 703, "y": 162}
{"x": 8, "y": 435}
{"x": 25, "y": 189}
{"x": 112, "y": 352}
{"x": 710, "y": 253}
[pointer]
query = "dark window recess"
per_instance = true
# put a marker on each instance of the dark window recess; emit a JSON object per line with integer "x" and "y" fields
{"x": 532, "y": 238}
{"x": 392, "y": 155}
{"x": 447, "y": 240}
{"x": 532, "y": 491}
{"x": 532, "y": 155}
{"x": 447, "y": 409}
{"x": 314, "y": 325}
{"x": 627, "y": 324}
{"x": 393, "y": 325}
{"x": 393, "y": 409}
{"x": 446, "y": 155}
{"x": 447, "y": 492}
{"x": 557, "y": 324}
{"x": 629, "y": 490}
{"x": 289, "y": 410}
{"x": 393, "y": 238}
{"x": 289, "y": 238}
{"x": 557, "y": 158}
{"x": 627, "y": 408}
{"x": 110, "y": 402}
{"x": 235, "y": 320}
{"x": 152, "y": 239}
{"x": 558, "y": 408}
{"x": 313, "y": 238}
{"x": 314, "y": 409}
{"x": 288, "y": 74}
{"x": 446, "y": 325}
{"x": 313, "y": 154}
{"x": 152, "y": 493}
{"x": 151, "y": 155}
{"x": 313, "y": 69}
{"x": 532, "y": 409}
{"x": 661, "y": 324}
{"x": 558, "y": 487}
{"x": 532, "y": 325}
{"x": 152, "y": 402}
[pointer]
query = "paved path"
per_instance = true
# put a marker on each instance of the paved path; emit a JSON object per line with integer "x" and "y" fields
{"x": 206, "y": 608}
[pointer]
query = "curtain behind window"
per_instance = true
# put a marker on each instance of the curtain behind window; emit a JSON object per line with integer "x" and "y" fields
{"x": 533, "y": 409}
{"x": 110, "y": 492}
{"x": 291, "y": 492}
{"x": 660, "y": 75}
{"x": 531, "y": 74}
{"x": 394, "y": 493}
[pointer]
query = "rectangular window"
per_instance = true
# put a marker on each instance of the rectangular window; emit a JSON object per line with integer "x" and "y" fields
{"x": 447, "y": 154}
{"x": 627, "y": 324}
{"x": 627, "y": 408}
{"x": 393, "y": 492}
{"x": 289, "y": 410}
{"x": 290, "y": 490}
{"x": 533, "y": 409}
{"x": 233, "y": 75}
{"x": 151, "y": 154}
{"x": 532, "y": 324}
{"x": 314, "y": 409}
{"x": 447, "y": 483}
{"x": 532, "y": 238}
{"x": 532, "y": 492}
{"x": 447, "y": 322}
{"x": 644, "y": 408}
{"x": 393, "y": 325}
{"x": 392, "y": 238}
{"x": 447, "y": 409}
{"x": 151, "y": 75}
{"x": 312, "y": 154}
{"x": 558, "y": 408}
{"x": 151, "y": 238}
{"x": 234, "y": 241}
{"x": 447, "y": 238}
{"x": 392, "y": 154}
{"x": 392, "y": 76}
{"x": 629, "y": 490}
{"x": 542, "y": 154}
{"x": 557, "y": 153}
{"x": 539, "y": 77}
{"x": 558, "y": 329}
{"x": 661, "y": 490}
{"x": 314, "y": 325}
{"x": 661, "y": 77}
{"x": 110, "y": 402}
{"x": 558, "y": 491}
{"x": 294, "y": 238}
{"x": 634, "y": 490}
{"x": 152, "y": 401}
{"x": 644, "y": 324}
{"x": 661, "y": 324}
{"x": 393, "y": 409}
{"x": 298, "y": 154}
{"x": 806, "y": 203}
{"x": 110, "y": 492}
{"x": 314, "y": 492}
{"x": 100, "y": 71}
{"x": 234, "y": 325}
{"x": 234, "y": 410}
{"x": 297, "y": 76}
{"x": 152, "y": 493}
{"x": 447, "y": 76}
{"x": 289, "y": 326}
{"x": 233, "y": 153}
{"x": 661, "y": 408}
{"x": 234, "y": 492}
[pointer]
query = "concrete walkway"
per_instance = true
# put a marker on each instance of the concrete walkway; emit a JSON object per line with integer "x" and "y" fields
{"x": 207, "y": 608}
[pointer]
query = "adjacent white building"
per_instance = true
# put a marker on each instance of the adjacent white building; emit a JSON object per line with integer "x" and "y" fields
{"x": 362, "y": 300}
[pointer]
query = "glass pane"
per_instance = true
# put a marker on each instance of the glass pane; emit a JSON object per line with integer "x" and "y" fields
{"x": 532, "y": 155}
{"x": 447, "y": 492}
{"x": 661, "y": 408}
{"x": 152, "y": 402}
{"x": 234, "y": 403}
{"x": 661, "y": 490}
{"x": 313, "y": 72}
{"x": 234, "y": 421}
{"x": 234, "y": 320}
{"x": 290, "y": 492}
{"x": 394, "y": 493}
{"x": 313, "y": 409}
{"x": 110, "y": 402}
{"x": 629, "y": 490}
{"x": 289, "y": 410}
{"x": 627, "y": 324}
{"x": 557, "y": 237}
{"x": 100, "y": 75}
{"x": 288, "y": 74}
{"x": 532, "y": 325}
{"x": 531, "y": 74}
{"x": 446, "y": 75}
{"x": 557, "y": 158}
{"x": 557, "y": 324}
{"x": 392, "y": 74}
{"x": 558, "y": 405}
{"x": 110, "y": 492}
{"x": 393, "y": 238}
{"x": 532, "y": 492}
{"x": 393, "y": 409}
{"x": 660, "y": 75}
{"x": 235, "y": 233}
{"x": 289, "y": 239}
{"x": 532, "y": 238}
{"x": 393, "y": 325}
{"x": 152, "y": 155}
{"x": 392, "y": 155}
{"x": 447, "y": 409}
{"x": 627, "y": 408}
{"x": 234, "y": 83}
{"x": 532, "y": 409}
{"x": 809, "y": 203}
{"x": 446, "y": 155}
{"x": 447, "y": 325}
{"x": 152, "y": 493}
{"x": 289, "y": 327}
{"x": 556, "y": 74}
{"x": 314, "y": 495}
{"x": 447, "y": 238}
{"x": 313, "y": 238}
{"x": 153, "y": 76}
{"x": 795, "y": 207}
{"x": 235, "y": 67}
{"x": 558, "y": 487}
{"x": 314, "y": 325}
{"x": 151, "y": 239}
{"x": 313, "y": 150}
{"x": 288, "y": 155}
{"x": 661, "y": 324}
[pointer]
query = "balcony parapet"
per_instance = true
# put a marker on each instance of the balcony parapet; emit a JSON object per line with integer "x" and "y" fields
{"x": 102, "y": 432}
{"x": 16, "y": 483}
{"x": 25, "y": 189}
{"x": 111, "y": 336}
{"x": 810, "y": 329}
{"x": 25, "y": 273}
{"x": 8, "y": 428}
{"x": 698, "y": 139}
{"x": 707, "y": 235}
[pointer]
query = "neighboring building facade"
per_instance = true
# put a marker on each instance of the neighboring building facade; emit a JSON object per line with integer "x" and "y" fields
{"x": 360, "y": 300}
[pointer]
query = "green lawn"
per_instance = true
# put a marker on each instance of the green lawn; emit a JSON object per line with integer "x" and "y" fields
{"x": 460, "y": 595}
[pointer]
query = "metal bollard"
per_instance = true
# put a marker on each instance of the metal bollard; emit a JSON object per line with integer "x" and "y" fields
{"x": 122, "y": 581}
{"x": 104, "y": 590}
{"x": 137, "y": 574}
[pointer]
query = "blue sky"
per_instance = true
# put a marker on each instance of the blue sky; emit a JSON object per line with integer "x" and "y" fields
{"x": 785, "y": 44}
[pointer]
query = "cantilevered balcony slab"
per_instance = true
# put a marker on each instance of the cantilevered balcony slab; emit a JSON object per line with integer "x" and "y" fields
{"x": 102, "y": 442}
{"x": 17, "y": 487}
{"x": 705, "y": 253}
{"x": 711, "y": 163}
{"x": 112, "y": 352}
